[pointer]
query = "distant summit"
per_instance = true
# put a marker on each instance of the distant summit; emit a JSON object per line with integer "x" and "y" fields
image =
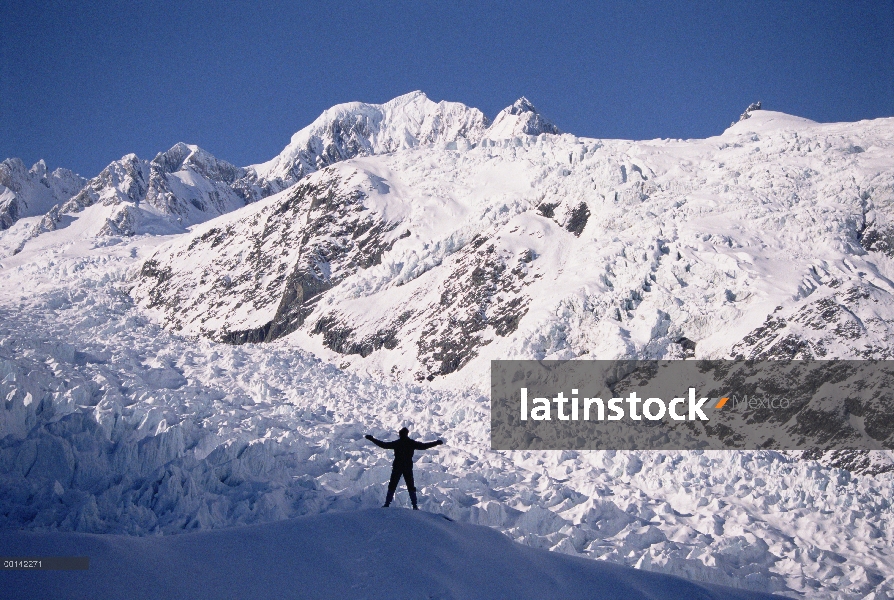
{"x": 520, "y": 119}
{"x": 359, "y": 129}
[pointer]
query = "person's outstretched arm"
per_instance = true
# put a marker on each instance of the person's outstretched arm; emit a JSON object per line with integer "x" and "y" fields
{"x": 380, "y": 443}
{"x": 427, "y": 445}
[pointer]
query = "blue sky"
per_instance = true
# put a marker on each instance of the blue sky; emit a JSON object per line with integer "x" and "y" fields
{"x": 83, "y": 83}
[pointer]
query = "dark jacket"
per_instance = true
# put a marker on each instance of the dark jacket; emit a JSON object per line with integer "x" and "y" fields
{"x": 403, "y": 448}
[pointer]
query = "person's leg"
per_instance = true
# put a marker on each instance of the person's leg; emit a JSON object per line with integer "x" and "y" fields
{"x": 408, "y": 479}
{"x": 392, "y": 484}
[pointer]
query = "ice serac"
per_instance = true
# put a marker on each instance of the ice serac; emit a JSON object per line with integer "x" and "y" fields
{"x": 520, "y": 119}
{"x": 29, "y": 192}
{"x": 358, "y": 129}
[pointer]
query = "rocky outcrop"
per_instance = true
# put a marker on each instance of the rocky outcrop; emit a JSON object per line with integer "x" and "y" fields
{"x": 747, "y": 114}
{"x": 842, "y": 322}
{"x": 268, "y": 269}
{"x": 482, "y": 295}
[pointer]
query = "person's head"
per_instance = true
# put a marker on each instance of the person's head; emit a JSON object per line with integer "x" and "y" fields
{"x": 404, "y": 432}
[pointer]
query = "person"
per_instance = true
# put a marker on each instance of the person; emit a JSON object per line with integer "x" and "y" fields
{"x": 402, "y": 466}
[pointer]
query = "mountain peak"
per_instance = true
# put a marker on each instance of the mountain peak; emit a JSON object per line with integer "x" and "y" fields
{"x": 356, "y": 128}
{"x": 39, "y": 168}
{"x": 183, "y": 155}
{"x": 522, "y": 105}
{"x": 410, "y": 97}
{"x": 520, "y": 118}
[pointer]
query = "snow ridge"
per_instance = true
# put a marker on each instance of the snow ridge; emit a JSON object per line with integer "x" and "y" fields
{"x": 186, "y": 185}
{"x": 358, "y": 129}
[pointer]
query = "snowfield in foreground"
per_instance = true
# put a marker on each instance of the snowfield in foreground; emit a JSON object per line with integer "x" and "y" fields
{"x": 111, "y": 424}
{"x": 385, "y": 263}
{"x": 366, "y": 554}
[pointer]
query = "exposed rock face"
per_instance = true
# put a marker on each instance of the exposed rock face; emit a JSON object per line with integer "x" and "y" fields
{"x": 842, "y": 321}
{"x": 30, "y": 192}
{"x": 271, "y": 266}
{"x": 747, "y": 114}
{"x": 339, "y": 238}
{"x": 482, "y": 293}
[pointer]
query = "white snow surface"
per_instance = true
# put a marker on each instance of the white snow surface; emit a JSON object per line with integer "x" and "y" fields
{"x": 113, "y": 424}
{"x": 372, "y": 553}
{"x": 356, "y": 128}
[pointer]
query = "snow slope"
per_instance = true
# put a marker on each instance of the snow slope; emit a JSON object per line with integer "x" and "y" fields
{"x": 372, "y": 553}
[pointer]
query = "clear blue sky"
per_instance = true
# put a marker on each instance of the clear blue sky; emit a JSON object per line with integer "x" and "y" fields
{"x": 83, "y": 83}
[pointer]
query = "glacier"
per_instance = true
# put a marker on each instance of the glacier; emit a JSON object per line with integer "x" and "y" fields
{"x": 221, "y": 371}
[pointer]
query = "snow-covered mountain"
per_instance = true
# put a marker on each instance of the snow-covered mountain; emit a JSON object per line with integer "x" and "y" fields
{"x": 180, "y": 187}
{"x": 29, "y": 192}
{"x": 771, "y": 240}
{"x": 519, "y": 119}
{"x": 382, "y": 283}
{"x": 187, "y": 185}
{"x": 358, "y": 129}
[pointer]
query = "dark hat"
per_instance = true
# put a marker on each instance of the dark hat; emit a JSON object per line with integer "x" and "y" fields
{"x": 404, "y": 432}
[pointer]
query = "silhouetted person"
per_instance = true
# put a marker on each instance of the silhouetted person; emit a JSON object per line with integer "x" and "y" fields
{"x": 403, "y": 462}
